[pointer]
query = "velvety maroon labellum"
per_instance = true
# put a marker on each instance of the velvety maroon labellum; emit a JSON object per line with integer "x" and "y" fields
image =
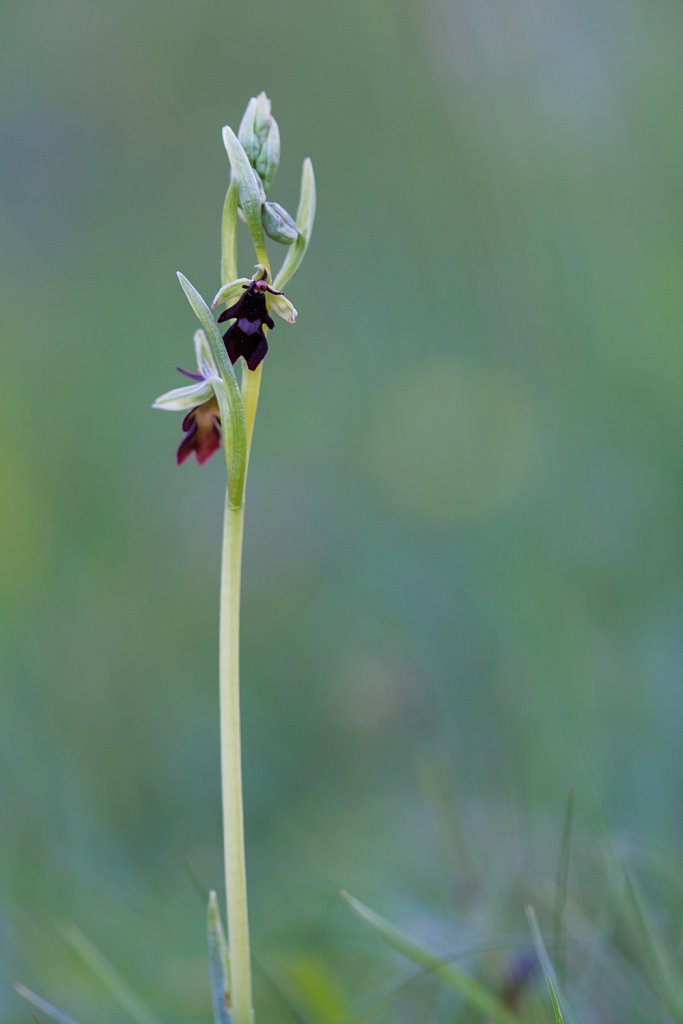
{"x": 245, "y": 337}
{"x": 202, "y": 426}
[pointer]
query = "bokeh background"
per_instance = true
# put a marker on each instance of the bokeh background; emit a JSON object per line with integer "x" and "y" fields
{"x": 463, "y": 587}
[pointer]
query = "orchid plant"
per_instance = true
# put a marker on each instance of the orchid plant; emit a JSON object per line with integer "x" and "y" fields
{"x": 219, "y": 410}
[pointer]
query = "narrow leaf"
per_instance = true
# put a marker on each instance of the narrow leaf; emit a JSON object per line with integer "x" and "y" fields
{"x": 665, "y": 976}
{"x": 554, "y": 1000}
{"x": 108, "y": 975}
{"x": 249, "y": 186}
{"x": 305, "y": 216}
{"x": 41, "y": 1004}
{"x": 219, "y": 964}
{"x": 562, "y": 886}
{"x": 547, "y": 967}
{"x": 471, "y": 991}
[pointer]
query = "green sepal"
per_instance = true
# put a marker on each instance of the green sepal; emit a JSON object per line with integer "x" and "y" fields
{"x": 281, "y": 305}
{"x": 206, "y": 364}
{"x": 278, "y": 224}
{"x": 185, "y": 398}
{"x": 305, "y": 217}
{"x": 190, "y": 395}
{"x": 249, "y": 185}
{"x": 219, "y": 964}
{"x": 230, "y": 292}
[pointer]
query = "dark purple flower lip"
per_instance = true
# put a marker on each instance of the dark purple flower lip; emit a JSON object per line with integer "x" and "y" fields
{"x": 246, "y": 336}
{"x": 202, "y": 426}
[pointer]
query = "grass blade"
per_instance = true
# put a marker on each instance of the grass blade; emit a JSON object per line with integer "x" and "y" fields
{"x": 562, "y": 886}
{"x": 219, "y": 964}
{"x": 559, "y": 1006}
{"x": 664, "y": 975}
{"x": 42, "y": 1004}
{"x": 559, "y": 1019}
{"x": 108, "y": 975}
{"x": 471, "y": 991}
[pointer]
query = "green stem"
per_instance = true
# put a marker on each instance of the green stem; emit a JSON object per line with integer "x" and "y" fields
{"x": 231, "y": 752}
{"x": 231, "y": 767}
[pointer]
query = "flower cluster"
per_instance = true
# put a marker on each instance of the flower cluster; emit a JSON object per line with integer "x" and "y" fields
{"x": 213, "y": 404}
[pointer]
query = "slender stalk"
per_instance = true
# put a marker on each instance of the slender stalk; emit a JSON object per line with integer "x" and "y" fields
{"x": 229, "y": 667}
{"x": 231, "y": 767}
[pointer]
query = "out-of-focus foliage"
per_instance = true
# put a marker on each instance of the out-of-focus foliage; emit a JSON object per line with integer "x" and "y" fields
{"x": 480, "y": 594}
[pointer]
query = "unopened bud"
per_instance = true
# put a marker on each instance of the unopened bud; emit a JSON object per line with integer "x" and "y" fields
{"x": 260, "y": 138}
{"x": 278, "y": 224}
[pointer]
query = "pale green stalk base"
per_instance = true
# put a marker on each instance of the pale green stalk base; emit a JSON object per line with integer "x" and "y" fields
{"x": 231, "y": 754}
{"x": 231, "y": 767}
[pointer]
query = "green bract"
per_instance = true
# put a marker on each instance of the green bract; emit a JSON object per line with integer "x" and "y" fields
{"x": 249, "y": 185}
{"x": 305, "y": 216}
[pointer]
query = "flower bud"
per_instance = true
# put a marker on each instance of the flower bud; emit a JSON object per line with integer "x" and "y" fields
{"x": 278, "y": 224}
{"x": 262, "y": 116}
{"x": 268, "y": 159}
{"x": 247, "y": 131}
{"x": 260, "y": 138}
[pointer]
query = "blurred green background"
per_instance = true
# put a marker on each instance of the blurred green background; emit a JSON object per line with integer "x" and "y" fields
{"x": 464, "y": 549}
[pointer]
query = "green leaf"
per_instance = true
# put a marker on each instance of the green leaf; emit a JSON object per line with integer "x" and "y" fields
{"x": 219, "y": 964}
{"x": 305, "y": 216}
{"x": 228, "y": 396}
{"x": 562, "y": 886}
{"x": 471, "y": 991}
{"x": 666, "y": 978}
{"x": 108, "y": 975}
{"x": 41, "y": 1004}
{"x": 554, "y": 1000}
{"x": 249, "y": 185}
{"x": 561, "y": 1011}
